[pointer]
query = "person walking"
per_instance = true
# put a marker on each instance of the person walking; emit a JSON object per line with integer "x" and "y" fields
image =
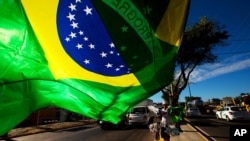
{"x": 165, "y": 121}
{"x": 161, "y": 122}
{"x": 177, "y": 111}
{"x": 161, "y": 126}
{"x": 155, "y": 128}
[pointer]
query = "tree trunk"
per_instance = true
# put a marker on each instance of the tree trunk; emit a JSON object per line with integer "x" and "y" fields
{"x": 175, "y": 100}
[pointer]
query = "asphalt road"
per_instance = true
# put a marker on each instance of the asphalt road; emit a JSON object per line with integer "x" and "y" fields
{"x": 217, "y": 130}
{"x": 92, "y": 132}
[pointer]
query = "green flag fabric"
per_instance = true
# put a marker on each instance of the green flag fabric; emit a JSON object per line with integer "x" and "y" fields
{"x": 177, "y": 113}
{"x": 97, "y": 58}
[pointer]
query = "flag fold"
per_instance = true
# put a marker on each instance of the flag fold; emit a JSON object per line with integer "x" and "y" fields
{"x": 97, "y": 58}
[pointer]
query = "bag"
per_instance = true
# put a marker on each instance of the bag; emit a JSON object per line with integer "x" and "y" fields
{"x": 172, "y": 130}
{"x": 154, "y": 127}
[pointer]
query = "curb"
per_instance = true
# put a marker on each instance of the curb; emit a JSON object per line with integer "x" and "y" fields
{"x": 203, "y": 133}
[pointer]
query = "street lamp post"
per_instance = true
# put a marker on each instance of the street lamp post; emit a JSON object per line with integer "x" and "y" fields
{"x": 190, "y": 95}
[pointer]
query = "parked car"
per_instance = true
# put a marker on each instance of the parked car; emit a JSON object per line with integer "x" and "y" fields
{"x": 230, "y": 113}
{"x": 192, "y": 112}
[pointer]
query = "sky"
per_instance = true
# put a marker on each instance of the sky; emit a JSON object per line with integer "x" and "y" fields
{"x": 230, "y": 75}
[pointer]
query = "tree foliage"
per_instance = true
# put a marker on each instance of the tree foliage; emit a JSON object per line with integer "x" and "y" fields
{"x": 198, "y": 43}
{"x": 243, "y": 97}
{"x": 216, "y": 101}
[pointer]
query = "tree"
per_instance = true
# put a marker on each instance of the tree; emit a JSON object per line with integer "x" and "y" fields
{"x": 216, "y": 101}
{"x": 244, "y": 97}
{"x": 198, "y": 43}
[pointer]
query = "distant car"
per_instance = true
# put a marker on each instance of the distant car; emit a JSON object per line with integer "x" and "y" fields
{"x": 192, "y": 112}
{"x": 140, "y": 115}
{"x": 230, "y": 113}
{"x": 108, "y": 125}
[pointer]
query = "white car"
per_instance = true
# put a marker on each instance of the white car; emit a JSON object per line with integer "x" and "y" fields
{"x": 140, "y": 115}
{"x": 230, "y": 113}
{"x": 192, "y": 112}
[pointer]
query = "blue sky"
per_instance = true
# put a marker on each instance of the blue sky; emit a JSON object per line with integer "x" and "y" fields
{"x": 230, "y": 75}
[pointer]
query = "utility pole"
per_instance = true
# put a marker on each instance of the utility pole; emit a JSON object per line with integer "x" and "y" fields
{"x": 171, "y": 94}
{"x": 190, "y": 95}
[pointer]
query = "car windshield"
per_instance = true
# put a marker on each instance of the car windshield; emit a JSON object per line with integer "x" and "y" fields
{"x": 238, "y": 108}
{"x": 138, "y": 110}
{"x": 221, "y": 109}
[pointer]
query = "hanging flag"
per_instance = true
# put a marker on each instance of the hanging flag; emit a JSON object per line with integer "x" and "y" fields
{"x": 97, "y": 58}
{"x": 177, "y": 113}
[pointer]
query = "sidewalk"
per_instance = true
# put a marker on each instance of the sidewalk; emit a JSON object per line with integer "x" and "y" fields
{"x": 46, "y": 128}
{"x": 189, "y": 133}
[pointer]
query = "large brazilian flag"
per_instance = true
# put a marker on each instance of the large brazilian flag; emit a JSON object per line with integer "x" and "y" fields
{"x": 97, "y": 58}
